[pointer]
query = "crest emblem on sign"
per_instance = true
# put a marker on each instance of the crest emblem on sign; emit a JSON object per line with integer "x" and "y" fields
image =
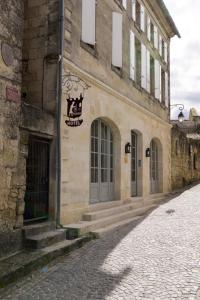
{"x": 75, "y": 96}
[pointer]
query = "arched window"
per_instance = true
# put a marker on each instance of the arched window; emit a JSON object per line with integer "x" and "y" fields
{"x": 102, "y": 162}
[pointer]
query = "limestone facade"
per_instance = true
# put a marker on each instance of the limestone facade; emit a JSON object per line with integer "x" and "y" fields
{"x": 117, "y": 98}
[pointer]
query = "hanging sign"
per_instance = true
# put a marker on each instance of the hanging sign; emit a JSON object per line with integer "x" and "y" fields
{"x": 75, "y": 95}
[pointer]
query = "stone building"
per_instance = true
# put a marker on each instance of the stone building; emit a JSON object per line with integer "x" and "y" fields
{"x": 91, "y": 128}
{"x": 186, "y": 151}
{"x": 12, "y": 182}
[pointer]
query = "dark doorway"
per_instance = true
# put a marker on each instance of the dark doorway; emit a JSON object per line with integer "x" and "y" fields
{"x": 37, "y": 181}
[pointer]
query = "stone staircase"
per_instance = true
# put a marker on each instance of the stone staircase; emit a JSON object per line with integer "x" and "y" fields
{"x": 42, "y": 235}
{"x": 106, "y": 217}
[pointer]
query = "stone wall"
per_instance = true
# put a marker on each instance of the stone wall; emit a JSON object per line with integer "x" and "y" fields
{"x": 40, "y": 53}
{"x": 12, "y": 163}
{"x": 185, "y": 151}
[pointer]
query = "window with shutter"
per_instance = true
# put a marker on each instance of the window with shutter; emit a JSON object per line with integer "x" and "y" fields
{"x": 132, "y": 55}
{"x": 124, "y": 3}
{"x": 148, "y": 28}
{"x": 166, "y": 90}
{"x": 142, "y": 18}
{"x": 148, "y": 72}
{"x": 117, "y": 39}
{"x": 152, "y": 76}
{"x": 156, "y": 37}
{"x": 137, "y": 14}
{"x": 89, "y": 21}
{"x": 157, "y": 79}
{"x": 152, "y": 33}
{"x": 138, "y": 61}
{"x": 144, "y": 67}
{"x": 163, "y": 49}
{"x": 160, "y": 45}
{"x": 134, "y": 10}
{"x": 166, "y": 52}
{"x": 162, "y": 86}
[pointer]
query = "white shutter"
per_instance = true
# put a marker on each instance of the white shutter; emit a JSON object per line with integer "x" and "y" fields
{"x": 160, "y": 45}
{"x": 132, "y": 55}
{"x": 160, "y": 97}
{"x": 142, "y": 18}
{"x": 144, "y": 67}
{"x": 124, "y": 3}
{"x": 166, "y": 53}
{"x": 157, "y": 79}
{"x": 156, "y": 37}
{"x": 88, "y": 21}
{"x": 117, "y": 39}
{"x": 149, "y": 28}
{"x": 133, "y": 9}
{"x": 148, "y": 72}
{"x": 166, "y": 90}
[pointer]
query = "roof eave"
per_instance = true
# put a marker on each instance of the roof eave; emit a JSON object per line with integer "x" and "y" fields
{"x": 169, "y": 18}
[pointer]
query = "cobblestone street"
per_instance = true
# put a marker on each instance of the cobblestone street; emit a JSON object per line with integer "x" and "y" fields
{"x": 156, "y": 258}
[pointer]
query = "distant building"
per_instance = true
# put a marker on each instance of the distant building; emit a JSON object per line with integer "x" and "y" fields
{"x": 186, "y": 151}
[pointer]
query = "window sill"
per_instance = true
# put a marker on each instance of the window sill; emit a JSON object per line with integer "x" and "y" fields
{"x": 89, "y": 48}
{"x": 117, "y": 70}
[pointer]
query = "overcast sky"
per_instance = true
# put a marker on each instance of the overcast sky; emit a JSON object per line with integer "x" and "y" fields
{"x": 185, "y": 53}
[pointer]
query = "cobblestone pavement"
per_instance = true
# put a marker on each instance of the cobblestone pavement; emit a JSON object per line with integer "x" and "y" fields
{"x": 156, "y": 258}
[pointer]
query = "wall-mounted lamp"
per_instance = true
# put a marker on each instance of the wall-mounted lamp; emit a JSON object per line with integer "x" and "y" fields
{"x": 181, "y": 107}
{"x": 128, "y": 148}
{"x": 148, "y": 152}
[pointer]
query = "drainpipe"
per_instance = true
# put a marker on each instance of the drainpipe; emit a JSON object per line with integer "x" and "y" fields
{"x": 58, "y": 111}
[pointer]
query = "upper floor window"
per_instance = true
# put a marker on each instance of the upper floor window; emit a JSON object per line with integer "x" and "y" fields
{"x": 138, "y": 61}
{"x": 137, "y": 14}
{"x": 117, "y": 39}
{"x": 89, "y": 22}
{"x": 152, "y": 76}
{"x": 124, "y": 3}
{"x": 152, "y": 33}
{"x": 162, "y": 86}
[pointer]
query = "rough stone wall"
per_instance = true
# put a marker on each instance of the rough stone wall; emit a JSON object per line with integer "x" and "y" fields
{"x": 12, "y": 163}
{"x": 40, "y": 53}
{"x": 184, "y": 150}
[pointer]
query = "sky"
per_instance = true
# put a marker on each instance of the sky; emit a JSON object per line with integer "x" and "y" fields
{"x": 185, "y": 54}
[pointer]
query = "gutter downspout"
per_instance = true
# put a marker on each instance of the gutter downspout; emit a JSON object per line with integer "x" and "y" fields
{"x": 58, "y": 111}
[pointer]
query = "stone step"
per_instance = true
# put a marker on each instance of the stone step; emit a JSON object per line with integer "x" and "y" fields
{"x": 83, "y": 227}
{"x": 35, "y": 229}
{"x": 96, "y": 215}
{"x": 100, "y": 232}
{"x": 104, "y": 205}
{"x": 45, "y": 239}
{"x": 24, "y": 262}
{"x": 156, "y": 199}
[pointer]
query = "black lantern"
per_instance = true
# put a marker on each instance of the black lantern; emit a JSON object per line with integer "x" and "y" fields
{"x": 128, "y": 148}
{"x": 148, "y": 152}
{"x": 181, "y": 117}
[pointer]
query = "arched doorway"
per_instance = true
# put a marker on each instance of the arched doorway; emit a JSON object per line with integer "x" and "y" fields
{"x": 155, "y": 166}
{"x": 102, "y": 162}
